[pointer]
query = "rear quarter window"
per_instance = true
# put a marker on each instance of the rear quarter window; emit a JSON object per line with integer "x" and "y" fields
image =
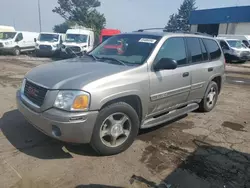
{"x": 212, "y": 48}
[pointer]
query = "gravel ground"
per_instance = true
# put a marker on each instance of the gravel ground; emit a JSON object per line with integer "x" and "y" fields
{"x": 197, "y": 150}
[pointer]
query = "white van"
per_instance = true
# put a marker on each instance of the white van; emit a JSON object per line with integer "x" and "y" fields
{"x": 244, "y": 38}
{"x": 234, "y": 50}
{"x": 6, "y": 28}
{"x": 79, "y": 41}
{"x": 49, "y": 43}
{"x": 17, "y": 41}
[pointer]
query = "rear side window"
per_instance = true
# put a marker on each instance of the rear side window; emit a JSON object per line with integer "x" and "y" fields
{"x": 173, "y": 48}
{"x": 213, "y": 48}
{"x": 194, "y": 49}
{"x": 204, "y": 51}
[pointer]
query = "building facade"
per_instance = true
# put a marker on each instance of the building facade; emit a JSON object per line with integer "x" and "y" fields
{"x": 230, "y": 20}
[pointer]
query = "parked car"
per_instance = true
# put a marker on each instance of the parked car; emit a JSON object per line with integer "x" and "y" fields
{"x": 78, "y": 41}
{"x": 107, "y": 33}
{"x": 105, "y": 99}
{"x": 17, "y": 41}
{"x": 244, "y": 38}
{"x": 234, "y": 50}
{"x": 49, "y": 44}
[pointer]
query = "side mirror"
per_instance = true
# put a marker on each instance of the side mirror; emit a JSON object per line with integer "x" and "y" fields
{"x": 61, "y": 42}
{"x": 34, "y": 39}
{"x": 165, "y": 64}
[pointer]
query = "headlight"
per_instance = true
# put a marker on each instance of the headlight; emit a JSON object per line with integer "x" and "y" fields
{"x": 8, "y": 43}
{"x": 23, "y": 85}
{"x": 72, "y": 100}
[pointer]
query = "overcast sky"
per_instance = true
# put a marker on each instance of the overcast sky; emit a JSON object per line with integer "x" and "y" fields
{"x": 125, "y": 15}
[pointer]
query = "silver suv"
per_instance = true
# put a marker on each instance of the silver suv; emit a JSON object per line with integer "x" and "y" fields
{"x": 129, "y": 82}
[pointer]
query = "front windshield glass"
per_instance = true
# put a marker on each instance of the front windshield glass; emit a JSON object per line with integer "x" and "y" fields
{"x": 236, "y": 44}
{"x": 48, "y": 37}
{"x": 105, "y": 38}
{"x": 129, "y": 48}
{"x": 78, "y": 38}
{"x": 7, "y": 35}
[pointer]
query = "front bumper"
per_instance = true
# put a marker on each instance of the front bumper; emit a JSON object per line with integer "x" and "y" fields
{"x": 240, "y": 58}
{"x": 7, "y": 49}
{"x": 65, "y": 126}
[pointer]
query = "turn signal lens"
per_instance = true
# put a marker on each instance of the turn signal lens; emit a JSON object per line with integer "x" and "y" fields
{"x": 81, "y": 102}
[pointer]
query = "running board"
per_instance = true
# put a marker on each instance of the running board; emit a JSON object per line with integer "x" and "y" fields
{"x": 169, "y": 116}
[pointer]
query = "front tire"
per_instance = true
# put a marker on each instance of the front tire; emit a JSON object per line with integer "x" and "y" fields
{"x": 16, "y": 51}
{"x": 209, "y": 100}
{"x": 116, "y": 128}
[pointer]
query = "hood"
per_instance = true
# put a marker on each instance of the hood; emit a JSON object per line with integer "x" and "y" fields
{"x": 241, "y": 49}
{"x": 72, "y": 73}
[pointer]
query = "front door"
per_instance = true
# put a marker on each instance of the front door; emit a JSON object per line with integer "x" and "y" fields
{"x": 170, "y": 88}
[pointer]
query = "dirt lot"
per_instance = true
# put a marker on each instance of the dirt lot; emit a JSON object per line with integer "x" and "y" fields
{"x": 198, "y": 150}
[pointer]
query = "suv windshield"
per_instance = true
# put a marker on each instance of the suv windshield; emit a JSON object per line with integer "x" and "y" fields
{"x": 7, "y": 35}
{"x": 236, "y": 44}
{"x": 49, "y": 37}
{"x": 129, "y": 48}
{"x": 105, "y": 37}
{"x": 78, "y": 38}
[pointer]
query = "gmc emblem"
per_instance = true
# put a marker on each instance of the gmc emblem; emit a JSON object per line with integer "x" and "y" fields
{"x": 32, "y": 91}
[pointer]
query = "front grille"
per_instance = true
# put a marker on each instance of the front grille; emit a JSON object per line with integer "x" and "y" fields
{"x": 1, "y": 45}
{"x": 35, "y": 93}
{"x": 45, "y": 47}
{"x": 245, "y": 53}
{"x": 75, "y": 48}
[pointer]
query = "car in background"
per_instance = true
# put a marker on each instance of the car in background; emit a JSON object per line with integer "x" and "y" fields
{"x": 234, "y": 50}
{"x": 16, "y": 42}
{"x": 49, "y": 44}
{"x": 78, "y": 41}
{"x": 104, "y": 99}
{"x": 244, "y": 38}
{"x": 107, "y": 33}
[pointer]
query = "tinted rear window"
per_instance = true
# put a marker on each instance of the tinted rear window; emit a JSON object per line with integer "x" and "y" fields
{"x": 213, "y": 48}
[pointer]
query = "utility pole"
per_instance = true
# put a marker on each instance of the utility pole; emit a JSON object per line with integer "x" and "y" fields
{"x": 39, "y": 12}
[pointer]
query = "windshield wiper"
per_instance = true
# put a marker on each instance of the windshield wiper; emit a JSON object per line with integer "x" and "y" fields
{"x": 112, "y": 59}
{"x": 92, "y": 56}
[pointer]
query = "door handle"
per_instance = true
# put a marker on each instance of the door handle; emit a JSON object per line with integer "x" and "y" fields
{"x": 185, "y": 74}
{"x": 210, "y": 69}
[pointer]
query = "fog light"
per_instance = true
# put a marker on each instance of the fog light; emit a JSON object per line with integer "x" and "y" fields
{"x": 56, "y": 131}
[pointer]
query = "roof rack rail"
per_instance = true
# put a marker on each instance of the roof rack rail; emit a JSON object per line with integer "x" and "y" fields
{"x": 148, "y": 29}
{"x": 165, "y": 30}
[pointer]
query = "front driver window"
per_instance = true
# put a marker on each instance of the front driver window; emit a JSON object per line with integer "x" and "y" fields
{"x": 19, "y": 37}
{"x": 173, "y": 48}
{"x": 224, "y": 45}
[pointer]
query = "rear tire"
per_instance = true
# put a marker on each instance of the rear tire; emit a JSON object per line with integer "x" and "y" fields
{"x": 209, "y": 100}
{"x": 108, "y": 144}
{"x": 16, "y": 51}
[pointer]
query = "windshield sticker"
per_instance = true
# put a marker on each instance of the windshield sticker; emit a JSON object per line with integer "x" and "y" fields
{"x": 145, "y": 40}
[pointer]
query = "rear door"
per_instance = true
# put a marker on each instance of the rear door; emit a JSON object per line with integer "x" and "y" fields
{"x": 205, "y": 59}
{"x": 170, "y": 88}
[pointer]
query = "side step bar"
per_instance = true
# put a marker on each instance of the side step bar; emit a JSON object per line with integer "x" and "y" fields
{"x": 169, "y": 116}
